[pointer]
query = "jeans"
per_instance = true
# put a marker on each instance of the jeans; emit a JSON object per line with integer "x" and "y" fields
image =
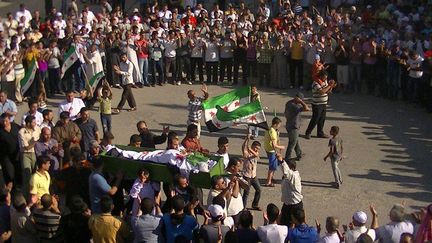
{"x": 254, "y": 182}
{"x": 293, "y": 143}
{"x": 336, "y": 172}
{"x": 318, "y": 118}
{"x": 106, "y": 122}
{"x": 54, "y": 77}
{"x": 157, "y": 66}
{"x": 79, "y": 77}
{"x": 143, "y": 64}
{"x": 355, "y": 80}
{"x": 171, "y": 65}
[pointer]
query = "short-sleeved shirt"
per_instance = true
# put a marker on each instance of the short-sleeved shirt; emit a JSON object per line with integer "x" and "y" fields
{"x": 107, "y": 228}
{"x": 270, "y": 136}
{"x": 303, "y": 234}
{"x": 98, "y": 187}
{"x": 317, "y": 98}
{"x": 272, "y": 233}
{"x": 185, "y": 229}
{"x": 40, "y": 183}
{"x": 195, "y": 109}
{"x": 26, "y": 135}
{"x": 47, "y": 224}
{"x": 209, "y": 233}
{"x": 104, "y": 105}
{"x": 147, "y": 228}
{"x": 336, "y": 145}
{"x": 292, "y": 114}
{"x": 9, "y": 105}
{"x": 391, "y": 233}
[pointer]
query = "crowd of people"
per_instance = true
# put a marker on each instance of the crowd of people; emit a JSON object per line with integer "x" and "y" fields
{"x": 61, "y": 192}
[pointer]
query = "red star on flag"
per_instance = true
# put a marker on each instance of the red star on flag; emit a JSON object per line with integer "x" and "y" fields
{"x": 237, "y": 103}
{"x": 212, "y": 114}
{"x": 218, "y": 125}
{"x": 253, "y": 118}
{"x": 179, "y": 157}
{"x": 72, "y": 58}
{"x": 225, "y": 108}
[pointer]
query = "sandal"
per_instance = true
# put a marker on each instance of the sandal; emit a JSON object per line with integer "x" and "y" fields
{"x": 115, "y": 111}
{"x": 256, "y": 208}
{"x": 269, "y": 185}
{"x": 132, "y": 109}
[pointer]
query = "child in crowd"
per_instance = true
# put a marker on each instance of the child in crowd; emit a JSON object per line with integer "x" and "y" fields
{"x": 335, "y": 154}
{"x": 272, "y": 147}
{"x": 135, "y": 141}
{"x": 143, "y": 188}
{"x": 223, "y": 150}
{"x": 255, "y": 96}
{"x": 104, "y": 99}
{"x": 251, "y": 157}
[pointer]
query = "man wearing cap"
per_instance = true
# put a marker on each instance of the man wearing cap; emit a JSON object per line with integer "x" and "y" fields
{"x": 391, "y": 232}
{"x": 214, "y": 230}
{"x": 293, "y": 109}
{"x": 359, "y": 220}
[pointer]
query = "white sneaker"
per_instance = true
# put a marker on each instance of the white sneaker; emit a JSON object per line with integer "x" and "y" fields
{"x": 189, "y": 82}
{"x": 178, "y": 82}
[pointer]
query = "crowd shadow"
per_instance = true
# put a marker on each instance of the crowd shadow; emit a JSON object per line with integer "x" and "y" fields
{"x": 405, "y": 138}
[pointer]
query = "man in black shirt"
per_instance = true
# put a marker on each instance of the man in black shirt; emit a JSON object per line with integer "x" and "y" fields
{"x": 342, "y": 61}
{"x": 149, "y": 139}
{"x": 9, "y": 151}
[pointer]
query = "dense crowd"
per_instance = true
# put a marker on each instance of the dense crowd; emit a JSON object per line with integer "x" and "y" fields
{"x": 60, "y": 191}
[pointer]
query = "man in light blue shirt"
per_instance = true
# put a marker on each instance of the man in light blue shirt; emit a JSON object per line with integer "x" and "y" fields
{"x": 7, "y": 106}
{"x": 99, "y": 187}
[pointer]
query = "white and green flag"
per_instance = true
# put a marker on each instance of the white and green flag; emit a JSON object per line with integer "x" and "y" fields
{"x": 70, "y": 58}
{"x": 29, "y": 76}
{"x": 232, "y": 109}
{"x": 94, "y": 81}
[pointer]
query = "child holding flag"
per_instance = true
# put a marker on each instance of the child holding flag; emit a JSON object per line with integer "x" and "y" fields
{"x": 104, "y": 99}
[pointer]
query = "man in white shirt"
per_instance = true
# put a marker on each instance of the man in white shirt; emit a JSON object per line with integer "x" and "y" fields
{"x": 359, "y": 220}
{"x": 291, "y": 190}
{"x": 72, "y": 105}
{"x": 125, "y": 71}
{"x": 33, "y": 106}
{"x": 59, "y": 25}
{"x": 223, "y": 150}
{"x": 271, "y": 232}
{"x": 23, "y": 12}
{"x": 170, "y": 46}
{"x": 332, "y": 226}
{"x": 391, "y": 232}
{"x": 415, "y": 73}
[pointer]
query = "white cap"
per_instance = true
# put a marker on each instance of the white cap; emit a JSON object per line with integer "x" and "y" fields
{"x": 135, "y": 17}
{"x": 216, "y": 210}
{"x": 317, "y": 57}
{"x": 360, "y": 217}
{"x": 135, "y": 10}
{"x": 59, "y": 14}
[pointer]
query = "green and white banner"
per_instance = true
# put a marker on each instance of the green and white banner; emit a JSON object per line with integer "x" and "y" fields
{"x": 29, "y": 77}
{"x": 232, "y": 109}
{"x": 70, "y": 58}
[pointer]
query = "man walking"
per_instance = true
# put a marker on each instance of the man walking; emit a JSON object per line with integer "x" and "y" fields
{"x": 125, "y": 71}
{"x": 293, "y": 108}
{"x": 320, "y": 90}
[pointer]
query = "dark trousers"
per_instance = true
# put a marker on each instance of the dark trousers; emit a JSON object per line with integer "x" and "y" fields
{"x": 296, "y": 66}
{"x": 253, "y": 182}
{"x": 171, "y": 65}
{"x": 197, "y": 62}
{"x": 414, "y": 85}
{"x": 127, "y": 95}
{"x": 264, "y": 74}
{"x": 54, "y": 78}
{"x": 106, "y": 122}
{"x": 293, "y": 143}
{"x": 226, "y": 64}
{"x": 251, "y": 69}
{"x": 237, "y": 63}
{"x": 183, "y": 65}
{"x": 8, "y": 169}
{"x": 318, "y": 118}
{"x": 212, "y": 71}
{"x": 157, "y": 66}
{"x": 370, "y": 76}
{"x": 287, "y": 211}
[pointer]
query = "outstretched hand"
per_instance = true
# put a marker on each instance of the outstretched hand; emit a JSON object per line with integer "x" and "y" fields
{"x": 204, "y": 88}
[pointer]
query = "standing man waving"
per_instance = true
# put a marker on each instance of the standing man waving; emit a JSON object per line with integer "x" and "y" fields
{"x": 194, "y": 107}
{"x": 320, "y": 90}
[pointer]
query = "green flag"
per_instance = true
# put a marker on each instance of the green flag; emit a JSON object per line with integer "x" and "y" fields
{"x": 28, "y": 79}
{"x": 233, "y": 108}
{"x": 70, "y": 58}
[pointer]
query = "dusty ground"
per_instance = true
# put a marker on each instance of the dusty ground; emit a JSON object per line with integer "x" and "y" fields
{"x": 388, "y": 145}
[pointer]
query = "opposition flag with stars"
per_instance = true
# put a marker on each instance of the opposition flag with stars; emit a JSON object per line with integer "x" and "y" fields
{"x": 29, "y": 76}
{"x": 232, "y": 109}
{"x": 70, "y": 58}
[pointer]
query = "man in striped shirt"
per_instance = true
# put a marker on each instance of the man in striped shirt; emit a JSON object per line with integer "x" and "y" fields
{"x": 47, "y": 220}
{"x": 194, "y": 107}
{"x": 320, "y": 90}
